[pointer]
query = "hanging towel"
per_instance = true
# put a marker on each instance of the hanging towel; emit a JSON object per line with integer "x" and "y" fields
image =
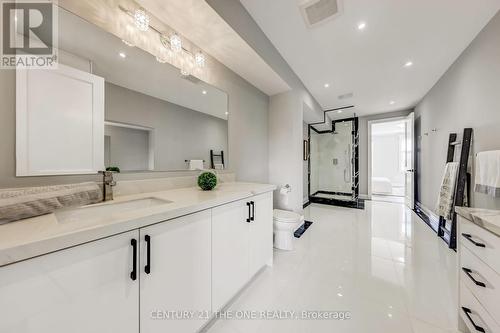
{"x": 447, "y": 192}
{"x": 22, "y": 203}
{"x": 195, "y": 164}
{"x": 488, "y": 173}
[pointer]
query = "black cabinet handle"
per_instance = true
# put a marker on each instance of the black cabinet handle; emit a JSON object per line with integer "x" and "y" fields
{"x": 133, "y": 274}
{"x": 147, "y": 268}
{"x": 252, "y": 217}
{"x": 249, "y": 214}
{"x": 469, "y": 238}
{"x": 469, "y": 274}
{"x": 468, "y": 312}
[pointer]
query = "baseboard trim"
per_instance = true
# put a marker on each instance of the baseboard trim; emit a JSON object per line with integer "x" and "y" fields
{"x": 306, "y": 204}
{"x": 427, "y": 215}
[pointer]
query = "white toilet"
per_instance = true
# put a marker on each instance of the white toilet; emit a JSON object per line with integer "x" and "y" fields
{"x": 285, "y": 224}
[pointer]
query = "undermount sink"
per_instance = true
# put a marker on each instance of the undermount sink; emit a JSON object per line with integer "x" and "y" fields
{"x": 106, "y": 210}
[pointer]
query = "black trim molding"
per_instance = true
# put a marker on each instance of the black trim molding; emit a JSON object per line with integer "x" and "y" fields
{"x": 428, "y": 217}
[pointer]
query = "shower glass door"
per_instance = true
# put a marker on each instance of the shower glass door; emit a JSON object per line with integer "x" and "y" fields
{"x": 332, "y": 164}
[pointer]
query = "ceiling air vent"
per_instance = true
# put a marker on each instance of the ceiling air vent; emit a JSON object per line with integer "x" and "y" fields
{"x": 318, "y": 11}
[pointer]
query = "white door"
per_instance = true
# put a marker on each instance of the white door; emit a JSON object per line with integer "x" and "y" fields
{"x": 230, "y": 252}
{"x": 87, "y": 288}
{"x": 261, "y": 233}
{"x": 410, "y": 162}
{"x": 178, "y": 277}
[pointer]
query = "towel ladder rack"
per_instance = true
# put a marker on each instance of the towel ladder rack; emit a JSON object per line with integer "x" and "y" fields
{"x": 462, "y": 188}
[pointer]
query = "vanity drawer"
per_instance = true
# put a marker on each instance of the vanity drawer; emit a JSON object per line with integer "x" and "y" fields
{"x": 482, "y": 281}
{"x": 474, "y": 315}
{"x": 481, "y": 242}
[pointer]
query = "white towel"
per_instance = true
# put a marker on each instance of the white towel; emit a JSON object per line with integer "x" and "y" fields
{"x": 195, "y": 164}
{"x": 446, "y": 197}
{"x": 488, "y": 173}
{"x": 22, "y": 203}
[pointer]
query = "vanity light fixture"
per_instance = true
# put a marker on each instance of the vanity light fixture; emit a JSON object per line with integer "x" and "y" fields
{"x": 361, "y": 25}
{"x": 141, "y": 19}
{"x": 171, "y": 45}
{"x": 175, "y": 43}
{"x": 408, "y": 64}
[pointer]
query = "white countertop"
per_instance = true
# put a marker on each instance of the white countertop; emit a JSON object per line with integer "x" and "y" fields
{"x": 485, "y": 218}
{"x": 44, "y": 234}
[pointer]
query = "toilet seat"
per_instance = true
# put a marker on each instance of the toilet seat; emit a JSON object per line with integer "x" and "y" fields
{"x": 286, "y": 216}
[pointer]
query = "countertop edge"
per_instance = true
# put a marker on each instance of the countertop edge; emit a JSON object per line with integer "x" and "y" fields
{"x": 481, "y": 217}
{"x": 26, "y": 251}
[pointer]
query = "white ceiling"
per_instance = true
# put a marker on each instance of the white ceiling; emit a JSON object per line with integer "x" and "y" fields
{"x": 139, "y": 71}
{"x": 370, "y": 63}
{"x": 198, "y": 22}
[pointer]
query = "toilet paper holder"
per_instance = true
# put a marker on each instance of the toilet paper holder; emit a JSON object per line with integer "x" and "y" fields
{"x": 285, "y": 189}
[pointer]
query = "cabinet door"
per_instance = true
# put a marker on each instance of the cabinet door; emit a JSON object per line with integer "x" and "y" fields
{"x": 230, "y": 253}
{"x": 261, "y": 233}
{"x": 179, "y": 279}
{"x": 87, "y": 288}
{"x": 59, "y": 122}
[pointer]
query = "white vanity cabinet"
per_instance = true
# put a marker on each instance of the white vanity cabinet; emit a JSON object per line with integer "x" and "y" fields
{"x": 479, "y": 284}
{"x": 242, "y": 243}
{"x": 230, "y": 251}
{"x": 175, "y": 292}
{"x": 261, "y": 233}
{"x": 165, "y": 277}
{"x": 87, "y": 288}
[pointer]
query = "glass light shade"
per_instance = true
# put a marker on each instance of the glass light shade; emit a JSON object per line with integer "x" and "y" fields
{"x": 175, "y": 43}
{"x": 199, "y": 59}
{"x": 141, "y": 19}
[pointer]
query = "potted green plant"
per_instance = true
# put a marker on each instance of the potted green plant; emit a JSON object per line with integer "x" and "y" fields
{"x": 207, "y": 181}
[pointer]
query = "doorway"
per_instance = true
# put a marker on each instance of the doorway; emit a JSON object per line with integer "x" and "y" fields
{"x": 390, "y": 167}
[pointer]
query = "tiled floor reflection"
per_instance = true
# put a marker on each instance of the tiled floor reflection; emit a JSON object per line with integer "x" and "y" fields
{"x": 382, "y": 264}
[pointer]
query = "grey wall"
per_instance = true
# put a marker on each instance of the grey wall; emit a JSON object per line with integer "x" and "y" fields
{"x": 363, "y": 145}
{"x": 179, "y": 133}
{"x": 126, "y": 148}
{"x": 468, "y": 95}
{"x": 287, "y": 111}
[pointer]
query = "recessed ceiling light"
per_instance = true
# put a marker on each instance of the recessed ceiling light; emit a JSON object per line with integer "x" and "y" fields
{"x": 123, "y": 55}
{"x": 339, "y": 111}
{"x": 204, "y": 92}
{"x": 326, "y": 85}
{"x": 392, "y": 102}
{"x": 408, "y": 64}
{"x": 361, "y": 25}
{"x": 227, "y": 113}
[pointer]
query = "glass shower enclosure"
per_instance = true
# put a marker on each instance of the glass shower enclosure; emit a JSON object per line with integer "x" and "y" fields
{"x": 334, "y": 164}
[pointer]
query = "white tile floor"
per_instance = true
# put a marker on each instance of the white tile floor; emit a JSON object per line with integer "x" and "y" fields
{"x": 382, "y": 264}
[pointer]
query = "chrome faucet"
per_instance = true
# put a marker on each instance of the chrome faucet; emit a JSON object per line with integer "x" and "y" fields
{"x": 107, "y": 185}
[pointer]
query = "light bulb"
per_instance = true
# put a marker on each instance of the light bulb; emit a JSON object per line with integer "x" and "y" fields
{"x": 175, "y": 43}
{"x": 141, "y": 19}
{"x": 199, "y": 59}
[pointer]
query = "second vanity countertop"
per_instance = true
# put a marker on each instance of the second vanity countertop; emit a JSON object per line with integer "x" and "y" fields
{"x": 44, "y": 234}
{"x": 485, "y": 218}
